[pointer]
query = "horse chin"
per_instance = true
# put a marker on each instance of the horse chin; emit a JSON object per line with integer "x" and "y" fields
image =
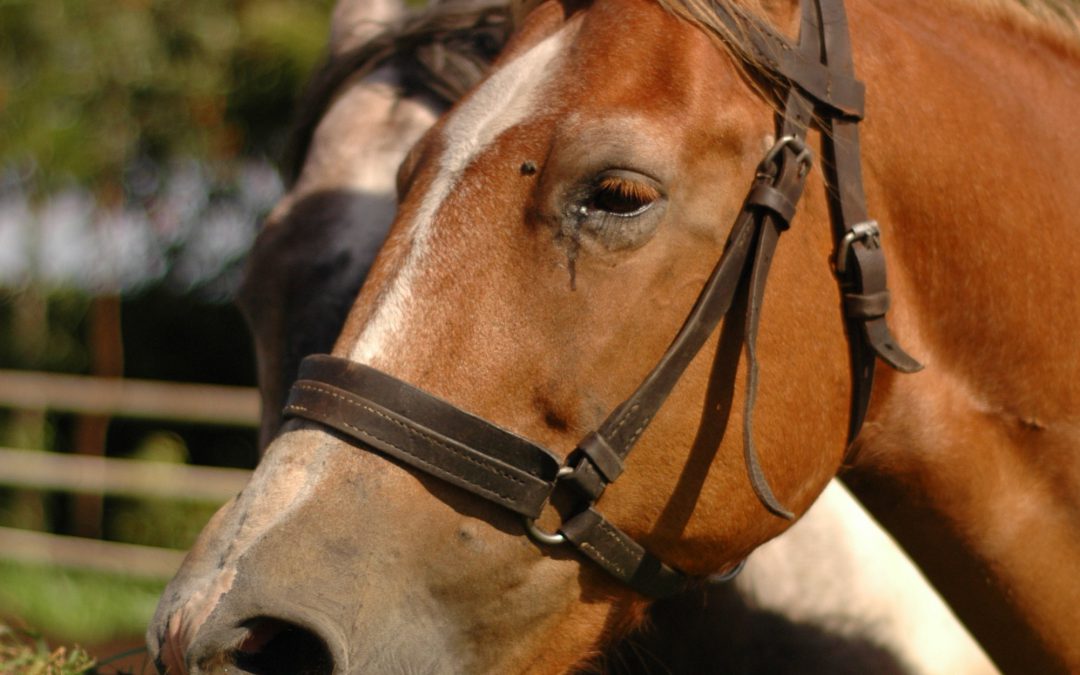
{"x": 318, "y": 566}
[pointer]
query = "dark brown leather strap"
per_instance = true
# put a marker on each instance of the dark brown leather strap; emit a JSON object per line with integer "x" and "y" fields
{"x": 424, "y": 432}
{"x": 621, "y": 556}
{"x": 862, "y": 272}
{"x": 442, "y": 440}
{"x": 790, "y": 181}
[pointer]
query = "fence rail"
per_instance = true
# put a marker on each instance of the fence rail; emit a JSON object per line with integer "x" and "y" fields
{"x": 124, "y": 477}
{"x": 117, "y": 397}
{"x": 141, "y": 399}
{"x": 39, "y": 548}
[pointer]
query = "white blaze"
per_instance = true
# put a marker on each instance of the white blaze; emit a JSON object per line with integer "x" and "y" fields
{"x": 505, "y": 99}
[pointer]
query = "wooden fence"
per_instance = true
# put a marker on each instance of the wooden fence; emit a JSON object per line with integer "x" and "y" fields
{"x": 193, "y": 403}
{"x": 116, "y": 397}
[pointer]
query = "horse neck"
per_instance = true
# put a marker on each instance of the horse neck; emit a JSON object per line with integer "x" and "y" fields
{"x": 973, "y": 464}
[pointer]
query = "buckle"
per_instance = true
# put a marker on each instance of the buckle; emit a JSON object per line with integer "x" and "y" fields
{"x": 541, "y": 537}
{"x": 533, "y": 530}
{"x": 866, "y": 231}
{"x": 725, "y": 577}
{"x": 803, "y": 155}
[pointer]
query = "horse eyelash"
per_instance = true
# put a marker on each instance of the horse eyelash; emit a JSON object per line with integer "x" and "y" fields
{"x": 636, "y": 190}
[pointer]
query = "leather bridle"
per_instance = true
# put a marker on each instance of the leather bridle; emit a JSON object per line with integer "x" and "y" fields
{"x": 818, "y": 86}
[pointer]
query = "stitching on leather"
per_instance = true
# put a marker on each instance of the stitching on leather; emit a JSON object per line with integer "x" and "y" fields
{"x": 622, "y": 421}
{"x": 417, "y": 432}
{"x": 413, "y": 430}
{"x": 624, "y": 418}
{"x": 596, "y": 552}
{"x": 606, "y": 528}
{"x": 421, "y": 460}
{"x": 637, "y": 432}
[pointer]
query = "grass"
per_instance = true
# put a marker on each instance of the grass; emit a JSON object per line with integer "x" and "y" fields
{"x": 27, "y": 653}
{"x": 75, "y": 605}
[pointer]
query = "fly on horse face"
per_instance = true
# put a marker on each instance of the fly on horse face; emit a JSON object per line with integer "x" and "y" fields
{"x": 555, "y": 232}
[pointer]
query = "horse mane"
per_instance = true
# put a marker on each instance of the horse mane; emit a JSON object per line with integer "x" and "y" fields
{"x": 1056, "y": 22}
{"x": 442, "y": 51}
{"x": 445, "y": 49}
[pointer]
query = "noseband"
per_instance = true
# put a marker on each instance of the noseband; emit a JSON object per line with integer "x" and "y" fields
{"x": 816, "y": 84}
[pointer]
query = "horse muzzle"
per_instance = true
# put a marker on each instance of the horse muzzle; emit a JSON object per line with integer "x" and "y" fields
{"x": 226, "y": 614}
{"x": 231, "y": 643}
{"x": 299, "y": 574}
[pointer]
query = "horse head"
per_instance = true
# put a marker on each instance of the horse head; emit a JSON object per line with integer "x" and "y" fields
{"x": 553, "y": 232}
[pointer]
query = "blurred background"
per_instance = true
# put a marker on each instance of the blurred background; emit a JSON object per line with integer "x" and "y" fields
{"x": 138, "y": 141}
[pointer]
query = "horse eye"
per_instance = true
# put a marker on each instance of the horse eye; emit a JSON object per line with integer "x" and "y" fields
{"x": 621, "y": 196}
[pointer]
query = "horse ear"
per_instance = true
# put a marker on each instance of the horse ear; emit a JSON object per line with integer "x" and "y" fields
{"x": 354, "y": 22}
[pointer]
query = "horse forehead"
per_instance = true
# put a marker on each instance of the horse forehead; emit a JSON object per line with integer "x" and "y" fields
{"x": 509, "y": 97}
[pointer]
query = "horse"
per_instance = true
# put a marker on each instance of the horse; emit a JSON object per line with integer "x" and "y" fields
{"x": 304, "y": 271}
{"x": 498, "y": 296}
{"x": 295, "y": 298}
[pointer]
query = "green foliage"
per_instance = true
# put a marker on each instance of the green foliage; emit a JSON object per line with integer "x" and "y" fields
{"x": 78, "y": 605}
{"x": 88, "y": 86}
{"x": 46, "y": 329}
{"x": 112, "y": 96}
{"x": 25, "y": 652}
{"x": 159, "y": 522}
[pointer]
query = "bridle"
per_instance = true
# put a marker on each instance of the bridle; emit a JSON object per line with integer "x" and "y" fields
{"x": 816, "y": 78}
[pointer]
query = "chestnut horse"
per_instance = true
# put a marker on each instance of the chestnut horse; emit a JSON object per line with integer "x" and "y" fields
{"x": 313, "y": 254}
{"x": 493, "y": 294}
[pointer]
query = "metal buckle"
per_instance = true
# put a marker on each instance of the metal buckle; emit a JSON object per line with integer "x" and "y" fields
{"x": 729, "y": 575}
{"x": 541, "y": 537}
{"x": 803, "y": 155}
{"x": 534, "y": 531}
{"x": 867, "y": 231}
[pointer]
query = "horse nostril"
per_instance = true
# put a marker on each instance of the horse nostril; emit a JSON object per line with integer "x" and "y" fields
{"x": 276, "y": 647}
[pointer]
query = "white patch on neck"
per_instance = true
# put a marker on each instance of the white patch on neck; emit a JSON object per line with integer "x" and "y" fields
{"x": 507, "y": 98}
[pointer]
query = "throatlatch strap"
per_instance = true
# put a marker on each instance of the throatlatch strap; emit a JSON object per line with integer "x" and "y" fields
{"x": 862, "y": 271}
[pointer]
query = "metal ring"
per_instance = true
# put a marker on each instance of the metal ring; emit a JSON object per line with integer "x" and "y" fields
{"x": 538, "y": 535}
{"x": 729, "y": 575}
{"x": 541, "y": 537}
{"x": 865, "y": 230}
{"x": 804, "y": 156}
